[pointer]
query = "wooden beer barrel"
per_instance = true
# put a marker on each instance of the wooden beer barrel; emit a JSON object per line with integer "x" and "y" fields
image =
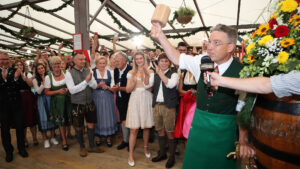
{"x": 276, "y": 132}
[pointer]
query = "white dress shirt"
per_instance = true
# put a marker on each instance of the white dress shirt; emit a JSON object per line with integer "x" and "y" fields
{"x": 81, "y": 86}
{"x": 192, "y": 64}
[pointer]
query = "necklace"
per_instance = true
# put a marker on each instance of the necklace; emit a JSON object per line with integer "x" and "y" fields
{"x": 56, "y": 75}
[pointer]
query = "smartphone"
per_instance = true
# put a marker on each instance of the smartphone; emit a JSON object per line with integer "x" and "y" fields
{"x": 102, "y": 46}
{"x": 42, "y": 47}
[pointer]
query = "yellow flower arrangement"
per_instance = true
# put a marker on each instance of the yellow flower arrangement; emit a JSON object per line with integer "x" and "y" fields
{"x": 251, "y": 58}
{"x": 282, "y": 57}
{"x": 274, "y": 46}
{"x": 264, "y": 40}
{"x": 263, "y": 29}
{"x": 287, "y": 42}
{"x": 295, "y": 20}
{"x": 288, "y": 5}
{"x": 250, "y": 47}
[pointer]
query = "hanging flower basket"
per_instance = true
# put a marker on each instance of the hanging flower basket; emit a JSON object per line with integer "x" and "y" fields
{"x": 184, "y": 15}
{"x": 184, "y": 19}
{"x": 28, "y": 32}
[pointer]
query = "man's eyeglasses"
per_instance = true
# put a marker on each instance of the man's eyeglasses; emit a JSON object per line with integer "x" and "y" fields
{"x": 215, "y": 43}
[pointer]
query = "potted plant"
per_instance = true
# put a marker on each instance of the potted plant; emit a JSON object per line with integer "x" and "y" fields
{"x": 28, "y": 32}
{"x": 184, "y": 15}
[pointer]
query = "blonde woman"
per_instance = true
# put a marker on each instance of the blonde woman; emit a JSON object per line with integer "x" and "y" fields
{"x": 60, "y": 104}
{"x": 139, "y": 114}
{"x": 103, "y": 97}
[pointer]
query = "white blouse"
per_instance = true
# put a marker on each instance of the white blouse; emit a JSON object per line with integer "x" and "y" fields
{"x": 38, "y": 89}
{"x": 54, "y": 82}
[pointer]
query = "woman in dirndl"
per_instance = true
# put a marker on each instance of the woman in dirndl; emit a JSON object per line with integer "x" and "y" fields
{"x": 43, "y": 105}
{"x": 60, "y": 103}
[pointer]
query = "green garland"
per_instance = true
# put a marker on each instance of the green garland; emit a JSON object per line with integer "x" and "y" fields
{"x": 123, "y": 28}
{"x": 116, "y": 20}
{"x": 40, "y": 9}
{"x": 22, "y": 3}
{"x": 146, "y": 32}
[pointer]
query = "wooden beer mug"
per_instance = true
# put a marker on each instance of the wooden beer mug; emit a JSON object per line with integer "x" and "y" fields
{"x": 161, "y": 14}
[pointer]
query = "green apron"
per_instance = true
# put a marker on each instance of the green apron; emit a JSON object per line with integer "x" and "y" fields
{"x": 211, "y": 138}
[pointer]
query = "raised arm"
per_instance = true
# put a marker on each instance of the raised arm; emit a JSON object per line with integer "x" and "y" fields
{"x": 94, "y": 45}
{"x": 114, "y": 43}
{"x": 158, "y": 35}
{"x": 59, "y": 49}
{"x": 49, "y": 50}
{"x": 38, "y": 54}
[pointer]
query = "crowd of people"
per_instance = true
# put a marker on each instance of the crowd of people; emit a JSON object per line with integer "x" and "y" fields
{"x": 112, "y": 92}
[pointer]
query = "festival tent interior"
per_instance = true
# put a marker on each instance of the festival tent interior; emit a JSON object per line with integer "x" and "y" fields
{"x": 130, "y": 19}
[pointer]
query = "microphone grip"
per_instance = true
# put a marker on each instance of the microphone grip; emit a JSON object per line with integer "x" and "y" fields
{"x": 208, "y": 79}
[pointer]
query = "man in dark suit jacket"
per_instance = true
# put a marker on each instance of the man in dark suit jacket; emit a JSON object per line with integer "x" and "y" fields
{"x": 120, "y": 78}
{"x": 11, "y": 111}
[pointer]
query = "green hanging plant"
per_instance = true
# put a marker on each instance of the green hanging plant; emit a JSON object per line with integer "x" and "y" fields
{"x": 28, "y": 32}
{"x": 183, "y": 15}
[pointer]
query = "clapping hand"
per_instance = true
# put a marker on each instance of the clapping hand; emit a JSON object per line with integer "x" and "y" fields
{"x": 157, "y": 68}
{"x": 102, "y": 85}
{"x": 17, "y": 73}
{"x": 88, "y": 77}
{"x": 4, "y": 74}
{"x": 115, "y": 88}
{"x": 63, "y": 91}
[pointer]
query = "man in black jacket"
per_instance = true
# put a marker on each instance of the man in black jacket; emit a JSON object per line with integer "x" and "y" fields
{"x": 11, "y": 111}
{"x": 120, "y": 78}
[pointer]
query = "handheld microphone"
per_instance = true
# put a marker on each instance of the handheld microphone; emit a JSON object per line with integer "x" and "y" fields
{"x": 207, "y": 65}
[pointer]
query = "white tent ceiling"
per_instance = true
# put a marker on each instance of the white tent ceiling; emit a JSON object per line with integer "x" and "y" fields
{"x": 213, "y": 12}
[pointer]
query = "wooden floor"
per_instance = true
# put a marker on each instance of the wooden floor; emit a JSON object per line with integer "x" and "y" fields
{"x": 56, "y": 158}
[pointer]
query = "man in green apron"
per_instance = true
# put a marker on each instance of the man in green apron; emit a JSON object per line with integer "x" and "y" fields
{"x": 213, "y": 130}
